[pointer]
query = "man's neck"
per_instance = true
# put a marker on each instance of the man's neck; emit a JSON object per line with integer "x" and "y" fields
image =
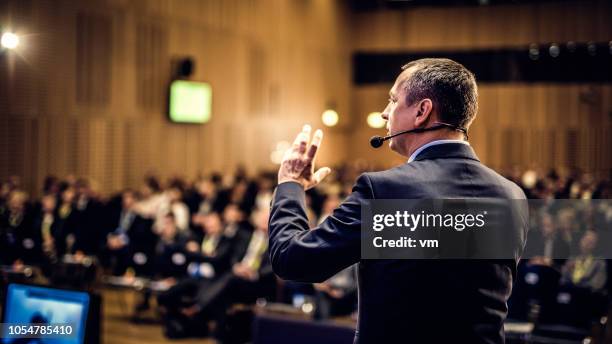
{"x": 428, "y": 137}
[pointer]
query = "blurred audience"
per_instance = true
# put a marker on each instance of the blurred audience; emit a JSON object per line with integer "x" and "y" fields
{"x": 205, "y": 241}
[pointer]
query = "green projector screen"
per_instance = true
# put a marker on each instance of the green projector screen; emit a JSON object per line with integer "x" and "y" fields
{"x": 190, "y": 101}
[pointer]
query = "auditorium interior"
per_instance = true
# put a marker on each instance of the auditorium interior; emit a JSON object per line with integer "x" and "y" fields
{"x": 140, "y": 142}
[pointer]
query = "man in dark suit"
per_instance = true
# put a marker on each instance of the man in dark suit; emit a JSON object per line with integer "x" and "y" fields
{"x": 89, "y": 213}
{"x": 249, "y": 278}
{"x": 43, "y": 235}
{"x": 127, "y": 233}
{"x": 404, "y": 301}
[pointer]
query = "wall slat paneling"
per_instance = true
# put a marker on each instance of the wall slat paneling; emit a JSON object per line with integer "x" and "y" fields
{"x": 152, "y": 65}
{"x": 94, "y": 54}
{"x": 532, "y": 125}
{"x": 87, "y": 95}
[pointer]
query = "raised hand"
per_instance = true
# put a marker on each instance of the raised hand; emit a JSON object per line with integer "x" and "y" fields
{"x": 299, "y": 160}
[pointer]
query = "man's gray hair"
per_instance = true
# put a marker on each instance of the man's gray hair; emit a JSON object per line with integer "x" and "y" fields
{"x": 450, "y": 86}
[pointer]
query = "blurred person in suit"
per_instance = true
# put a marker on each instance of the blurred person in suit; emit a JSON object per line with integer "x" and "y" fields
{"x": 88, "y": 212}
{"x": 42, "y": 234}
{"x": 265, "y": 187}
{"x": 211, "y": 249}
{"x": 432, "y": 301}
{"x": 209, "y": 254}
{"x": 157, "y": 203}
{"x": 586, "y": 270}
{"x": 545, "y": 246}
{"x": 157, "y": 256}
{"x": 67, "y": 220}
{"x": 125, "y": 226}
{"x": 234, "y": 220}
{"x": 150, "y": 204}
{"x": 337, "y": 296}
{"x": 207, "y": 198}
{"x": 176, "y": 206}
{"x": 250, "y": 278}
{"x": 51, "y": 185}
{"x": 15, "y": 229}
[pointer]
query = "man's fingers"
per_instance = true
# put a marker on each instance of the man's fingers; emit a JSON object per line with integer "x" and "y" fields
{"x": 301, "y": 140}
{"x": 316, "y": 143}
{"x": 321, "y": 174}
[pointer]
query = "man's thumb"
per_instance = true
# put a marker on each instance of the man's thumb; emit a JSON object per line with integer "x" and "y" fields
{"x": 321, "y": 174}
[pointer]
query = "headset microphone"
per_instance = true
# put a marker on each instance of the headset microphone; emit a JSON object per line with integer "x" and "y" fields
{"x": 377, "y": 141}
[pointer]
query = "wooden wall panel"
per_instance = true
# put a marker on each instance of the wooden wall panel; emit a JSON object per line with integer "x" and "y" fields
{"x": 528, "y": 125}
{"x": 94, "y": 54}
{"x": 274, "y": 65}
{"x": 152, "y": 66}
{"x": 444, "y": 28}
{"x": 88, "y": 95}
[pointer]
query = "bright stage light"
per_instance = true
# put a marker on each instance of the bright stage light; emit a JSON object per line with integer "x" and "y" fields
{"x": 375, "y": 120}
{"x": 329, "y": 118}
{"x": 9, "y": 40}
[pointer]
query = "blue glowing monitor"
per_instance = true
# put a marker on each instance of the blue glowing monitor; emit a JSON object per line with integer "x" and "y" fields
{"x": 25, "y": 304}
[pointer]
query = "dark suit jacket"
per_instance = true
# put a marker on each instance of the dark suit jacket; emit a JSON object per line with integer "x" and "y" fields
{"x": 403, "y": 301}
{"x": 12, "y": 236}
{"x": 89, "y": 234}
{"x": 243, "y": 239}
{"x": 221, "y": 261}
{"x": 35, "y": 254}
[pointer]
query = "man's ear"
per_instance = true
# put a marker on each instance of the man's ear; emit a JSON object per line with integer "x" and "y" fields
{"x": 424, "y": 110}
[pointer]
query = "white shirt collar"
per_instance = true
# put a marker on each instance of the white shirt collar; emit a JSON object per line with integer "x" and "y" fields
{"x": 434, "y": 143}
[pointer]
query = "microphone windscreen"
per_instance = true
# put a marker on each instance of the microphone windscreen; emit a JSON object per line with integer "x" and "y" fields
{"x": 376, "y": 141}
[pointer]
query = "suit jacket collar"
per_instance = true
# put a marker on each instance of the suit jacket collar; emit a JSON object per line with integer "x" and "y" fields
{"x": 446, "y": 151}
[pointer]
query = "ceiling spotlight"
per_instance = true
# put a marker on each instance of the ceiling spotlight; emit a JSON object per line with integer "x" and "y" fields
{"x": 375, "y": 120}
{"x": 554, "y": 50}
{"x": 329, "y": 118}
{"x": 610, "y": 47}
{"x": 9, "y": 40}
{"x": 571, "y": 46}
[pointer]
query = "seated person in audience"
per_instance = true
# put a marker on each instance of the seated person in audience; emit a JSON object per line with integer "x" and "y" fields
{"x": 210, "y": 249}
{"x": 210, "y": 255}
{"x": 207, "y": 198}
{"x": 152, "y": 256}
{"x": 586, "y": 270}
{"x": 152, "y": 198}
{"x": 176, "y": 206}
{"x": 338, "y": 295}
{"x": 234, "y": 221}
{"x": 265, "y": 189}
{"x": 545, "y": 245}
{"x": 125, "y": 225}
{"x": 170, "y": 251}
{"x": 67, "y": 221}
{"x": 251, "y": 277}
{"x": 43, "y": 233}
{"x": 88, "y": 211}
{"x": 15, "y": 228}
